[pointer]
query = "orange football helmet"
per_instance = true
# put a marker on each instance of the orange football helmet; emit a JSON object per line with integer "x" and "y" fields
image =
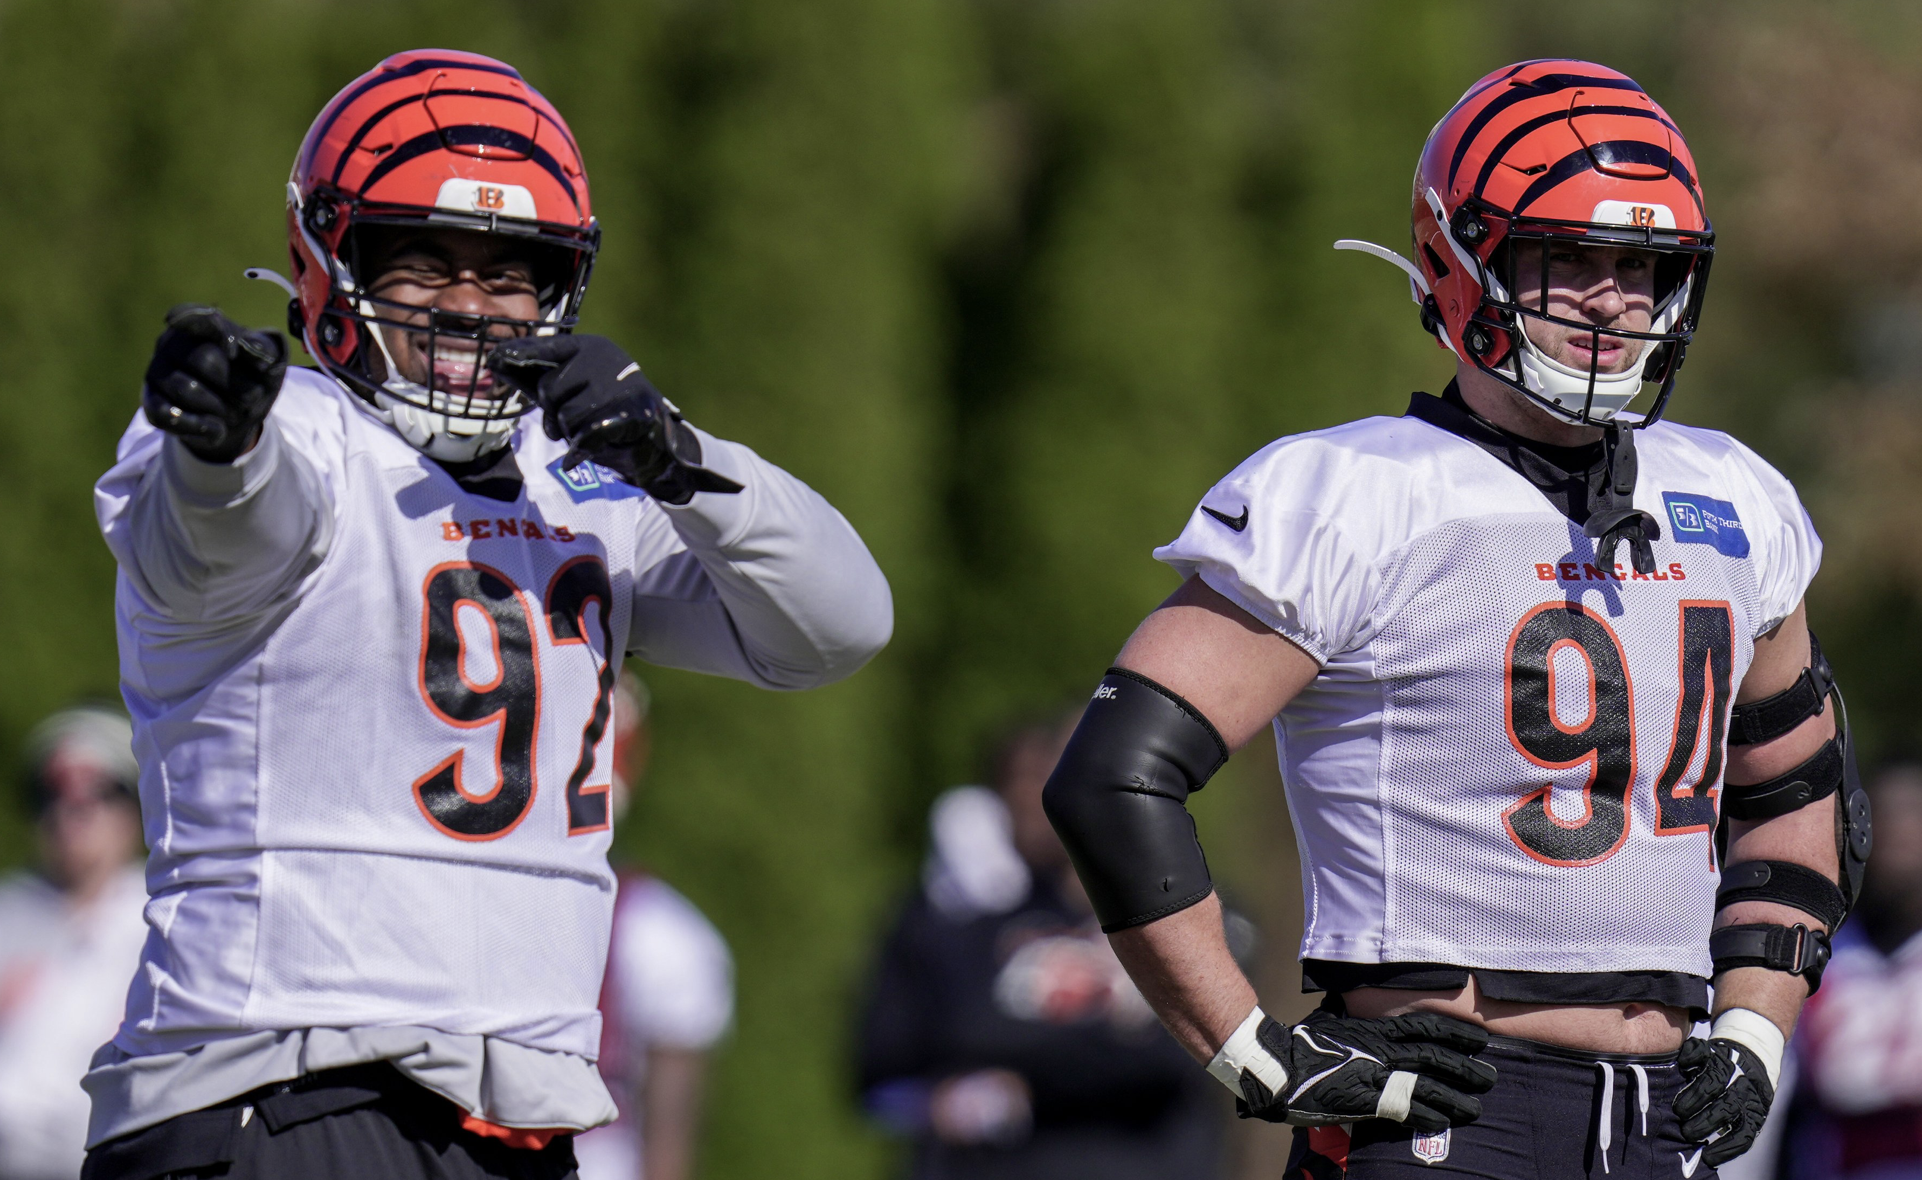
{"x": 446, "y": 139}
{"x": 1555, "y": 151}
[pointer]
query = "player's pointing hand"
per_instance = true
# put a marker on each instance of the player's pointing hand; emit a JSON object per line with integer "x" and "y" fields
{"x": 594, "y": 396}
{"x": 212, "y": 381}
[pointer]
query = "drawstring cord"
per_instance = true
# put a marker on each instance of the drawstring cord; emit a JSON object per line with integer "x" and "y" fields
{"x": 1641, "y": 1093}
{"x": 1605, "y": 1129}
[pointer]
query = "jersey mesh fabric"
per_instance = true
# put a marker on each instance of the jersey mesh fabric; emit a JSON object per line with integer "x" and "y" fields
{"x": 1460, "y": 889}
{"x": 1407, "y": 777}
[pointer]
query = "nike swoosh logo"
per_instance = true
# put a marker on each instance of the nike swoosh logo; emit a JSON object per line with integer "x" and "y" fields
{"x": 1236, "y": 523}
{"x": 1689, "y": 1162}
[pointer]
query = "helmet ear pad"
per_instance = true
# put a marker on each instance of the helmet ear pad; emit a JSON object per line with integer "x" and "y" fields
{"x": 314, "y": 245}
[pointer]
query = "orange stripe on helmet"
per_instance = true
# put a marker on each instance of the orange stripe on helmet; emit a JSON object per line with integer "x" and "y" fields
{"x": 394, "y": 135}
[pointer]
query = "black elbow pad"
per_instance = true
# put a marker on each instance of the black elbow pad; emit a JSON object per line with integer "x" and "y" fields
{"x": 1118, "y": 800}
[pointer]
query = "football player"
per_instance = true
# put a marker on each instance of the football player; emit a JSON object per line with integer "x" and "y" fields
{"x": 370, "y": 615}
{"x": 1556, "y": 739}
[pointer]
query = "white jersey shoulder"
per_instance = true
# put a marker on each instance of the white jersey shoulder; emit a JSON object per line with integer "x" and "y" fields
{"x": 1297, "y": 533}
{"x": 1513, "y": 741}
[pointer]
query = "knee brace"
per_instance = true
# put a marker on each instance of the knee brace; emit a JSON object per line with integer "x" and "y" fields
{"x": 1831, "y": 770}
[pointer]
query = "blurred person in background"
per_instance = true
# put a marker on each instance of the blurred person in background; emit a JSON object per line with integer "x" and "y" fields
{"x": 668, "y": 997}
{"x": 1858, "y": 1113}
{"x": 70, "y": 936}
{"x": 1001, "y": 1032}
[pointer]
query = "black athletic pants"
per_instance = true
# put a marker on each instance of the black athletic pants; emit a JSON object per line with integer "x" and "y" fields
{"x": 1554, "y": 1114}
{"x": 362, "y": 1122}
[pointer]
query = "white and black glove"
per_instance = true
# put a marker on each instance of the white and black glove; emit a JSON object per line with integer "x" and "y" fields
{"x": 211, "y": 381}
{"x": 1416, "y": 1069}
{"x": 594, "y": 396}
{"x": 1731, "y": 1083}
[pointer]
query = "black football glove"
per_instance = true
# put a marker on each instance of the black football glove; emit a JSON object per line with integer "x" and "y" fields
{"x": 1339, "y": 1068}
{"x": 211, "y": 381}
{"x": 593, "y": 395}
{"x": 1727, "y": 1097}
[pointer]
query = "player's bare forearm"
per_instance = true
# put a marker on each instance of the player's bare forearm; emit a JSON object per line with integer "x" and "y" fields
{"x": 1238, "y": 673}
{"x": 1183, "y": 967}
{"x": 1805, "y": 836}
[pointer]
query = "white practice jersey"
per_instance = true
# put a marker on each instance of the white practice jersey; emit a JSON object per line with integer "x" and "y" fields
{"x": 377, "y": 793}
{"x": 1512, "y": 756}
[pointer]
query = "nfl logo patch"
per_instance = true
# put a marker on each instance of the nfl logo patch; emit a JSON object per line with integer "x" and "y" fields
{"x": 1432, "y": 1149}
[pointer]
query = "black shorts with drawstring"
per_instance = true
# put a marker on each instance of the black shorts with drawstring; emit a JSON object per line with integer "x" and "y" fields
{"x": 360, "y": 1122}
{"x": 1554, "y": 1114}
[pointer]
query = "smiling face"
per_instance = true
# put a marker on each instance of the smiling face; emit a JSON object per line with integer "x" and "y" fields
{"x": 462, "y": 275}
{"x": 1607, "y": 286}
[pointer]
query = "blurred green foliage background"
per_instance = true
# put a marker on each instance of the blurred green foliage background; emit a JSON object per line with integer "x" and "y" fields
{"x": 1012, "y": 282}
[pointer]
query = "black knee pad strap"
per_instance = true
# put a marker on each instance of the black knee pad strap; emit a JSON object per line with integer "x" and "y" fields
{"x": 1785, "y": 883}
{"x": 1771, "y": 717}
{"x": 1817, "y": 778}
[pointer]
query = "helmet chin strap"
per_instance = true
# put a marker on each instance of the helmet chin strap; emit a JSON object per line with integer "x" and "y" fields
{"x": 441, "y": 437}
{"x": 437, "y": 436}
{"x": 1565, "y": 391}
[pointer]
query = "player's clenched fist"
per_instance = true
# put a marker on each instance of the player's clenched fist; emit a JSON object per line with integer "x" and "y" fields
{"x": 1727, "y": 1098}
{"x": 1412, "y": 1069}
{"x": 212, "y": 381}
{"x": 594, "y": 396}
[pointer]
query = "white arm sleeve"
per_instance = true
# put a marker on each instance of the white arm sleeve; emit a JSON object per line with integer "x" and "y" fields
{"x": 774, "y": 587}
{"x": 214, "y": 542}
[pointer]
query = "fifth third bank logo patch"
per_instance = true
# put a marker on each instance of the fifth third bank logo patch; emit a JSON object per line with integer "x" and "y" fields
{"x": 591, "y": 481}
{"x": 1431, "y": 1149}
{"x": 1703, "y": 520}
